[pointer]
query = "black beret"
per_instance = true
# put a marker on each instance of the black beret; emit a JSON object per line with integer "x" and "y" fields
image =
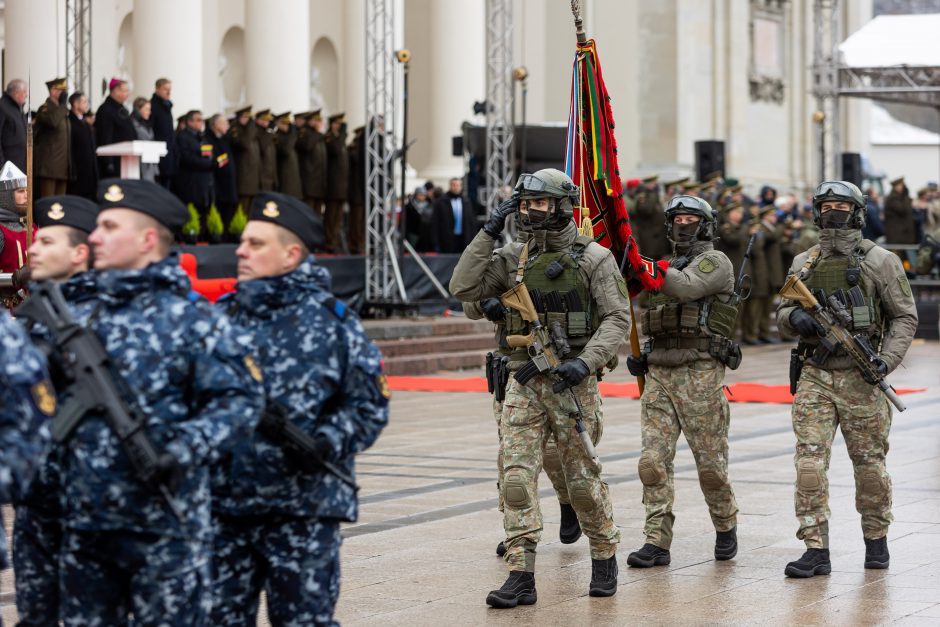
{"x": 290, "y": 213}
{"x": 146, "y": 197}
{"x": 74, "y": 211}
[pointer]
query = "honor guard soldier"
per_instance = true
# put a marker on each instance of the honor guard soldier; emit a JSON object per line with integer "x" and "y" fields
{"x": 337, "y": 182}
{"x": 52, "y": 142}
{"x": 243, "y": 135}
{"x": 288, "y": 166}
{"x": 267, "y": 151}
{"x": 60, "y": 253}
{"x": 583, "y": 298}
{"x": 180, "y": 390}
{"x": 689, "y": 326}
{"x": 278, "y": 500}
{"x": 313, "y": 162}
{"x": 831, "y": 392}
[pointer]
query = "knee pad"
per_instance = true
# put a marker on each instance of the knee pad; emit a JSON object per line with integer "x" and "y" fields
{"x": 516, "y": 489}
{"x": 810, "y": 474}
{"x": 651, "y": 469}
{"x": 712, "y": 478}
{"x": 582, "y": 497}
{"x": 872, "y": 482}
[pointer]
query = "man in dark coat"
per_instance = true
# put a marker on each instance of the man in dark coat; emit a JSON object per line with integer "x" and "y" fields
{"x": 51, "y": 137}
{"x": 13, "y": 124}
{"x": 113, "y": 125}
{"x": 84, "y": 166}
{"x": 161, "y": 119}
{"x": 337, "y": 182}
{"x": 899, "y": 215}
{"x": 247, "y": 156}
{"x": 454, "y": 218}
{"x": 356, "y": 193}
{"x": 196, "y": 166}
{"x": 311, "y": 145}
{"x": 288, "y": 166}
{"x": 267, "y": 151}
{"x": 226, "y": 192}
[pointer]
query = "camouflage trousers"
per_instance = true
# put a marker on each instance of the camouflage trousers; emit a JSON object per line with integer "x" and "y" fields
{"x": 294, "y": 560}
{"x": 36, "y": 542}
{"x": 531, "y": 414}
{"x": 687, "y": 399}
{"x": 551, "y": 463}
{"x": 826, "y": 400}
{"x": 107, "y": 576}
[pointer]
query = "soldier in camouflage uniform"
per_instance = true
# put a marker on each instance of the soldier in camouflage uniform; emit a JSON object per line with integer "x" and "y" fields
{"x": 585, "y": 293}
{"x": 60, "y": 253}
{"x": 689, "y": 326}
{"x": 277, "y": 521}
{"x": 928, "y": 255}
{"x": 124, "y": 552}
{"x": 831, "y": 392}
{"x": 27, "y": 401}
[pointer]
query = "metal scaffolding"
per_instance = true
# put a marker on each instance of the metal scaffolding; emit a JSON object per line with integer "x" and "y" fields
{"x": 78, "y": 45}
{"x": 383, "y": 274}
{"x": 499, "y": 100}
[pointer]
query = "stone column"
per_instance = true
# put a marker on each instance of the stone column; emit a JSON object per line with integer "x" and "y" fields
{"x": 35, "y": 51}
{"x": 277, "y": 54}
{"x": 352, "y": 64}
{"x": 168, "y": 44}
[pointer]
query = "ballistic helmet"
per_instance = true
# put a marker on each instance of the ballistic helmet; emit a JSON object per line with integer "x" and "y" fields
{"x": 840, "y": 191}
{"x": 692, "y": 205}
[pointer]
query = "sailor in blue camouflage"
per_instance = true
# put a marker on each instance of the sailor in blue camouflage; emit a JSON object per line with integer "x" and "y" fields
{"x": 277, "y": 525}
{"x": 60, "y": 252}
{"x": 124, "y": 552}
{"x": 27, "y": 400}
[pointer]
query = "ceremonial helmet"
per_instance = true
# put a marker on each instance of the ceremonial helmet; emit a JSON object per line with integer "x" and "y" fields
{"x": 11, "y": 179}
{"x": 692, "y": 205}
{"x": 842, "y": 191}
{"x": 554, "y": 184}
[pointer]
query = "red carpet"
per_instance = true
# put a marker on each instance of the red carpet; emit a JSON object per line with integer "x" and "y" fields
{"x": 738, "y": 392}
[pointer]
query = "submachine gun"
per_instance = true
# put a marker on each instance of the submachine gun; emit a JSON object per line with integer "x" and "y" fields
{"x": 543, "y": 347}
{"x": 742, "y": 285}
{"x": 834, "y": 317}
{"x": 94, "y": 388}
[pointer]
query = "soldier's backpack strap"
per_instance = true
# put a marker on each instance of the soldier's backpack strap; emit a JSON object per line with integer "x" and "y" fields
{"x": 811, "y": 259}
{"x": 523, "y": 258}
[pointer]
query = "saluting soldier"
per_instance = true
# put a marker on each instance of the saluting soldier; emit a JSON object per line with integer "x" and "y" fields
{"x": 52, "y": 141}
{"x": 247, "y": 156}
{"x": 337, "y": 182}
{"x": 288, "y": 167}
{"x": 313, "y": 163}
{"x": 267, "y": 151}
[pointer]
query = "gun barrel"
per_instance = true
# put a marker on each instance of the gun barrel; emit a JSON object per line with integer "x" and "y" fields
{"x": 892, "y": 395}
{"x": 6, "y": 279}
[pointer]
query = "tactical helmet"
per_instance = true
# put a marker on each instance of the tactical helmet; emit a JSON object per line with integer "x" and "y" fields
{"x": 842, "y": 191}
{"x": 554, "y": 184}
{"x": 692, "y": 205}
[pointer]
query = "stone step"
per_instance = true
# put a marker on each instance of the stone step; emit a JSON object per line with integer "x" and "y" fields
{"x": 402, "y": 347}
{"x": 424, "y": 327}
{"x": 429, "y": 363}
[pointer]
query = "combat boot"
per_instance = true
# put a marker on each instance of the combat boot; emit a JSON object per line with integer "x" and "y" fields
{"x": 876, "y": 553}
{"x": 813, "y": 562}
{"x": 604, "y": 577}
{"x": 726, "y": 544}
{"x": 519, "y": 589}
{"x": 570, "y": 529}
{"x": 649, "y": 555}
{"x": 501, "y": 549}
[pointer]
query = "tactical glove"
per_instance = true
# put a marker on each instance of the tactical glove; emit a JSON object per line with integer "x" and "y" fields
{"x": 497, "y": 221}
{"x": 493, "y": 309}
{"x": 882, "y": 369}
{"x": 572, "y": 372}
{"x": 804, "y": 324}
{"x": 637, "y": 365}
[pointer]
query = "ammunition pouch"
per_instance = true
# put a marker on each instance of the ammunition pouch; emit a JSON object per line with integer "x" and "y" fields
{"x": 796, "y": 368}
{"x": 724, "y": 350}
{"x": 497, "y": 375}
{"x": 526, "y": 372}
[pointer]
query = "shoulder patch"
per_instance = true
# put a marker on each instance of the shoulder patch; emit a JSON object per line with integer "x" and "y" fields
{"x": 44, "y": 397}
{"x": 622, "y": 286}
{"x": 905, "y": 286}
{"x": 706, "y": 265}
{"x": 253, "y": 369}
{"x": 381, "y": 381}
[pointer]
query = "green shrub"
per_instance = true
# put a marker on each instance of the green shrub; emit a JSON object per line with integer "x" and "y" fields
{"x": 214, "y": 222}
{"x": 239, "y": 220}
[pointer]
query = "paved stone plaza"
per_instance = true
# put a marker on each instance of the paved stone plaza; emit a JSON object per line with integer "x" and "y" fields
{"x": 423, "y": 551}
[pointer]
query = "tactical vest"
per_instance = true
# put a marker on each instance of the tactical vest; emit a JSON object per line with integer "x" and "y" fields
{"x": 565, "y": 299}
{"x": 831, "y": 274}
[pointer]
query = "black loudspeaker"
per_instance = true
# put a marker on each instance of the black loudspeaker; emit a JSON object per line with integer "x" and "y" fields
{"x": 456, "y": 145}
{"x": 709, "y": 158}
{"x": 852, "y": 167}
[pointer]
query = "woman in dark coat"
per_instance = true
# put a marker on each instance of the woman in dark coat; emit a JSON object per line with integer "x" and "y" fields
{"x": 899, "y": 215}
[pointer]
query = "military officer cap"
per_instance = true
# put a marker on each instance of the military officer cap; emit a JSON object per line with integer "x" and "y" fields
{"x": 243, "y": 111}
{"x": 766, "y": 209}
{"x": 57, "y": 83}
{"x": 289, "y": 213}
{"x": 317, "y": 115}
{"x": 303, "y": 115}
{"x": 681, "y": 181}
{"x": 359, "y": 130}
{"x": 900, "y": 179}
{"x": 737, "y": 187}
{"x": 338, "y": 117}
{"x": 690, "y": 186}
{"x": 148, "y": 198}
{"x": 74, "y": 211}
{"x": 730, "y": 206}
{"x": 725, "y": 194}
{"x": 264, "y": 114}
{"x": 713, "y": 176}
{"x": 283, "y": 117}
{"x": 650, "y": 179}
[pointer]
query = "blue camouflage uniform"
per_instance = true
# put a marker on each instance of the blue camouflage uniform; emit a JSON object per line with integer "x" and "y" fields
{"x": 37, "y": 531}
{"x": 123, "y": 550}
{"x": 277, "y": 527}
{"x": 27, "y": 400}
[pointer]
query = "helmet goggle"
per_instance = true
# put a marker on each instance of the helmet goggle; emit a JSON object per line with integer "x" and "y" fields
{"x": 691, "y": 203}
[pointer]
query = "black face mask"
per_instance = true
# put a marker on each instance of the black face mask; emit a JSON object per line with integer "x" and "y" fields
{"x": 684, "y": 233}
{"x": 535, "y": 219}
{"x": 835, "y": 219}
